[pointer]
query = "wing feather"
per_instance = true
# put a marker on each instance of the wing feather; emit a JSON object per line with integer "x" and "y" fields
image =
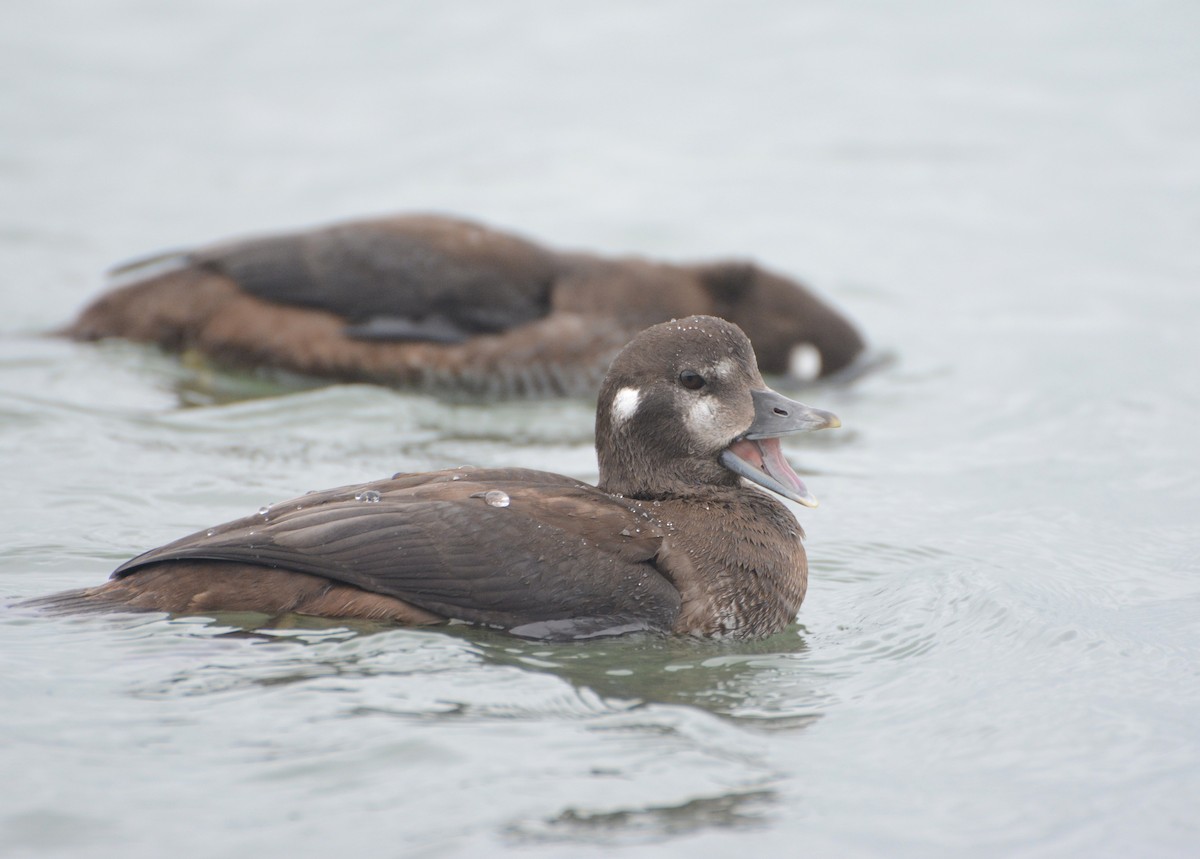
{"x": 559, "y": 551}
{"x": 423, "y": 274}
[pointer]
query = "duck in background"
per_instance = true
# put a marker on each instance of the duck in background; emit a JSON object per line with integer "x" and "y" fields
{"x": 673, "y": 539}
{"x": 445, "y": 305}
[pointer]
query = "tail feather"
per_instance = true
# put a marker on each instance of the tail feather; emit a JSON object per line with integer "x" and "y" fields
{"x": 144, "y": 268}
{"x": 91, "y": 600}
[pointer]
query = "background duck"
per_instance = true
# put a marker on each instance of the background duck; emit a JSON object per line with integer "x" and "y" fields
{"x": 437, "y": 303}
{"x": 671, "y": 539}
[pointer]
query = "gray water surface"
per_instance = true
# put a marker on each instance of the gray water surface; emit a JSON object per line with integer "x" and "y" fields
{"x": 998, "y": 653}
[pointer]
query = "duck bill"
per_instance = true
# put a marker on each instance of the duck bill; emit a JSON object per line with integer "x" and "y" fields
{"x": 757, "y": 454}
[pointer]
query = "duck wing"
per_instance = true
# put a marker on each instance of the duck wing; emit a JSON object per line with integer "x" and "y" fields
{"x": 534, "y": 552}
{"x": 404, "y": 278}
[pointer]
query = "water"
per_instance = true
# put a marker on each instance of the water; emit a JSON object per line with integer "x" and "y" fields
{"x": 496, "y": 498}
{"x": 998, "y": 651}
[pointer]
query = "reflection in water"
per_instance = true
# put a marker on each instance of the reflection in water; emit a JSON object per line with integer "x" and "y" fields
{"x": 736, "y": 680}
{"x": 196, "y": 381}
{"x": 746, "y": 684}
{"x": 736, "y": 810}
{"x": 753, "y": 683}
{"x": 672, "y": 721}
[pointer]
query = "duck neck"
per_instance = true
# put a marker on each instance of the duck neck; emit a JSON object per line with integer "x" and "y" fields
{"x": 649, "y": 466}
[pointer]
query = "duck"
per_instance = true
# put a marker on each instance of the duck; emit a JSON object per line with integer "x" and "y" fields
{"x": 446, "y": 305}
{"x": 685, "y": 532}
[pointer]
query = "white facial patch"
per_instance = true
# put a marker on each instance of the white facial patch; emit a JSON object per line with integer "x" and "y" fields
{"x": 700, "y": 416}
{"x": 625, "y": 405}
{"x": 804, "y": 362}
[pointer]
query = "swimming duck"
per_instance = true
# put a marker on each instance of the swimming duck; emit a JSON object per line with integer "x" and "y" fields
{"x": 673, "y": 539}
{"x": 441, "y": 304}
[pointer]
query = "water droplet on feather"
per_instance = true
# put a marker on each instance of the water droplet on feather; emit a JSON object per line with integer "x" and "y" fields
{"x": 494, "y": 498}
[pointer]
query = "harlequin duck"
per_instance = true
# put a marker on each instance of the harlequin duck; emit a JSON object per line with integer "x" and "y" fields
{"x": 446, "y": 305}
{"x": 673, "y": 539}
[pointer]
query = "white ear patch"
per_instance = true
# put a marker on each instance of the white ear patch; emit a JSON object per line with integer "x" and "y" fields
{"x": 700, "y": 417}
{"x": 625, "y": 405}
{"x": 804, "y": 362}
{"x": 723, "y": 369}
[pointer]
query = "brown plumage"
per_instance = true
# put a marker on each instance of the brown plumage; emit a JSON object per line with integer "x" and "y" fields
{"x": 442, "y": 304}
{"x": 671, "y": 539}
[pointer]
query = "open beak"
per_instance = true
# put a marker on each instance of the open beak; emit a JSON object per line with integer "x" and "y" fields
{"x": 757, "y": 455}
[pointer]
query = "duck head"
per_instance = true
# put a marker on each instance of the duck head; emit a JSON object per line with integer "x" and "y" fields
{"x": 684, "y": 406}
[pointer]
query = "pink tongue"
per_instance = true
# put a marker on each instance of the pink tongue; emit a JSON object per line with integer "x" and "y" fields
{"x": 775, "y": 465}
{"x": 748, "y": 451}
{"x": 766, "y": 454}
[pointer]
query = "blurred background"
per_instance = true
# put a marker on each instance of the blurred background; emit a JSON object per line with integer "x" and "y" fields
{"x": 998, "y": 651}
{"x": 862, "y": 147}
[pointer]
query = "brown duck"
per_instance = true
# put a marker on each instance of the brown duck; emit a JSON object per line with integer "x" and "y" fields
{"x": 441, "y": 304}
{"x": 673, "y": 539}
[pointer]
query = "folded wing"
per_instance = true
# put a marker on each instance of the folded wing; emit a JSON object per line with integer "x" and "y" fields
{"x": 573, "y": 558}
{"x": 405, "y": 278}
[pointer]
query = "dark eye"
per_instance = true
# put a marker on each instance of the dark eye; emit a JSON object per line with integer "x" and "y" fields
{"x": 691, "y": 380}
